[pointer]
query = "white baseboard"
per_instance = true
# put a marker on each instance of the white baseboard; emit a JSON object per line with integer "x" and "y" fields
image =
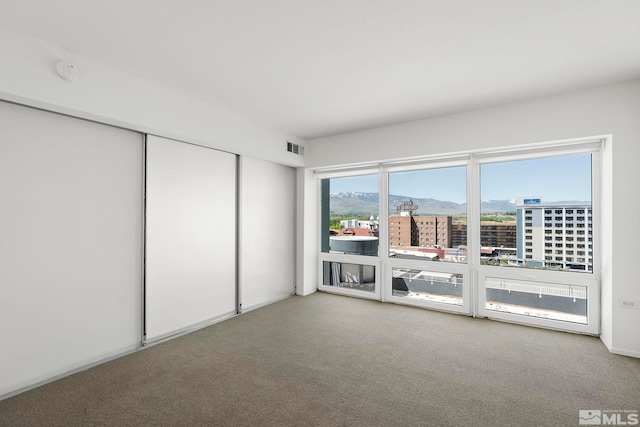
{"x": 624, "y": 352}
{"x": 304, "y": 294}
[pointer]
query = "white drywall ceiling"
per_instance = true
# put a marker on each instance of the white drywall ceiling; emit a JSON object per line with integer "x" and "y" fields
{"x": 316, "y": 68}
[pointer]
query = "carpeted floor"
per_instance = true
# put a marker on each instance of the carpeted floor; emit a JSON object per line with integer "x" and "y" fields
{"x": 327, "y": 360}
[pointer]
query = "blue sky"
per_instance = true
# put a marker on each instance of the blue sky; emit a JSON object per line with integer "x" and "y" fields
{"x": 551, "y": 179}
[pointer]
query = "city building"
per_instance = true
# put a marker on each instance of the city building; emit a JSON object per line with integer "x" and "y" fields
{"x": 356, "y": 225}
{"x": 492, "y": 233}
{"x": 555, "y": 235}
{"x": 407, "y": 229}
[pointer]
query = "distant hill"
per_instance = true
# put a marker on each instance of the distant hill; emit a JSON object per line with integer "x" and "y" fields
{"x": 357, "y": 204}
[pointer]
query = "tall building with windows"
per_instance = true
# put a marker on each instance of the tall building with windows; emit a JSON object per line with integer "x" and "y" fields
{"x": 555, "y": 235}
{"x": 420, "y": 230}
{"x": 492, "y": 234}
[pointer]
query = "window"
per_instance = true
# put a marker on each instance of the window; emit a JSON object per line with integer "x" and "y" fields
{"x": 351, "y": 276}
{"x": 540, "y": 176}
{"x": 421, "y": 285}
{"x": 350, "y": 215}
{"x": 414, "y": 200}
{"x": 557, "y": 301}
{"x": 521, "y": 197}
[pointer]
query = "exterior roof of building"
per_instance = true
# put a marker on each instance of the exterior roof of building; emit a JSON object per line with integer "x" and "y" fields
{"x": 364, "y": 232}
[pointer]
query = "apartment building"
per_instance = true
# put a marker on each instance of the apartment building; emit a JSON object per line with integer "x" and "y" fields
{"x": 420, "y": 230}
{"x": 555, "y": 235}
{"x": 492, "y": 234}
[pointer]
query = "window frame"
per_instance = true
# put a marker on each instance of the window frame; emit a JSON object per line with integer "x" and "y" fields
{"x": 474, "y": 299}
{"x": 590, "y": 279}
{"x": 367, "y": 260}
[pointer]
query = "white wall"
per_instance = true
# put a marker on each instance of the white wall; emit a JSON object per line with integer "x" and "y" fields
{"x": 613, "y": 110}
{"x": 308, "y": 232}
{"x": 109, "y": 96}
{"x": 70, "y": 244}
{"x": 267, "y": 194}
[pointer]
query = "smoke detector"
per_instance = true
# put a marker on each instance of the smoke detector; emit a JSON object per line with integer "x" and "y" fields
{"x": 68, "y": 71}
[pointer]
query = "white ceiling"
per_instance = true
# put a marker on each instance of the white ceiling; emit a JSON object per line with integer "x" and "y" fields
{"x": 320, "y": 67}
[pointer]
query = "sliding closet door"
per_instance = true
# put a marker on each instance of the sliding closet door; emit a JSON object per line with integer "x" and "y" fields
{"x": 268, "y": 232}
{"x": 190, "y": 268}
{"x": 70, "y": 244}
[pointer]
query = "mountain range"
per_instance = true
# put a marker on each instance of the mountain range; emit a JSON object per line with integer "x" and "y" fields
{"x": 367, "y": 204}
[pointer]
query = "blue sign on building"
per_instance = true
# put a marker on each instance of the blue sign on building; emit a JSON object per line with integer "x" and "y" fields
{"x": 531, "y": 201}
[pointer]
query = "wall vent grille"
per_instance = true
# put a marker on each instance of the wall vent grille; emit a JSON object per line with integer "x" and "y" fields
{"x": 295, "y": 148}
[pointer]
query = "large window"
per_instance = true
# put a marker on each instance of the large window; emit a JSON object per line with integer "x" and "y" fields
{"x": 506, "y": 234}
{"x": 350, "y": 235}
{"x": 524, "y": 200}
{"x": 350, "y": 215}
{"x": 428, "y": 214}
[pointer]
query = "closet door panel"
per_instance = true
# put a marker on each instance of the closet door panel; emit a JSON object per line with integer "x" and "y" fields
{"x": 268, "y": 232}
{"x": 70, "y": 244}
{"x": 190, "y": 267}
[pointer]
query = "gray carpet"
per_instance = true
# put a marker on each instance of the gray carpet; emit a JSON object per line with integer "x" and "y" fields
{"x": 327, "y": 360}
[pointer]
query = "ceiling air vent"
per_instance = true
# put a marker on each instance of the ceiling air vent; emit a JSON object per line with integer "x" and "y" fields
{"x": 295, "y": 148}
